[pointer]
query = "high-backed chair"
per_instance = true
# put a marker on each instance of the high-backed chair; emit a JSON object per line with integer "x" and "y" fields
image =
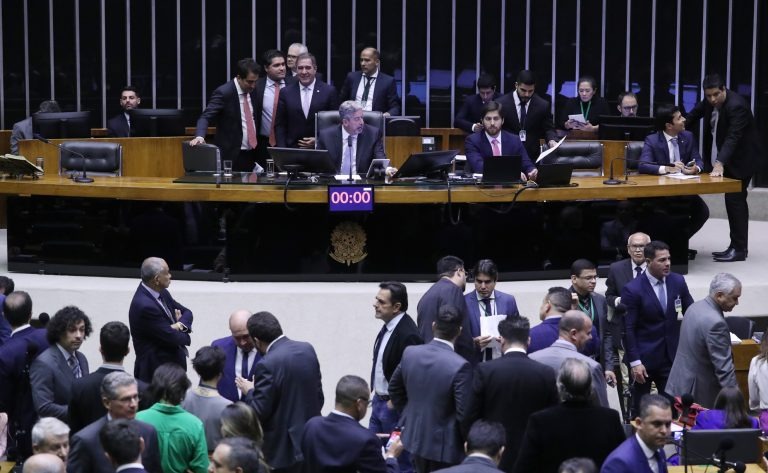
{"x": 102, "y": 158}
{"x": 332, "y": 118}
{"x": 403, "y": 126}
{"x": 742, "y": 327}
{"x": 632, "y": 152}
{"x": 586, "y": 157}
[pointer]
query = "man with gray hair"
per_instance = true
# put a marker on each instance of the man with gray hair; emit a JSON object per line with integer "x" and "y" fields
{"x": 50, "y": 435}
{"x": 23, "y": 130}
{"x": 120, "y": 396}
{"x": 294, "y": 51}
{"x": 353, "y": 143}
{"x": 160, "y": 325}
{"x": 704, "y": 361}
{"x": 44, "y": 463}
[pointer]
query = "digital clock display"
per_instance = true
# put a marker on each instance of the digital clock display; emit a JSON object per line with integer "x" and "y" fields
{"x": 350, "y": 198}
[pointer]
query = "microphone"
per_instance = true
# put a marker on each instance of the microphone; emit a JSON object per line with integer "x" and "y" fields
{"x": 349, "y": 141}
{"x": 611, "y": 181}
{"x": 82, "y": 179}
{"x": 687, "y": 401}
{"x": 725, "y": 445}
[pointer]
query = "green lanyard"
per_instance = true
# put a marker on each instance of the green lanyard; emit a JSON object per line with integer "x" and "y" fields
{"x": 582, "y": 109}
{"x": 588, "y": 310}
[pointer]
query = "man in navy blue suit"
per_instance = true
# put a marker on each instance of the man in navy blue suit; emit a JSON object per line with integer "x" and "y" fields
{"x": 485, "y": 300}
{"x": 672, "y": 149}
{"x": 371, "y": 88}
{"x": 470, "y": 116}
{"x": 241, "y": 354}
{"x": 298, "y": 104}
{"x": 6, "y": 287}
{"x": 235, "y": 454}
{"x": 636, "y": 453}
{"x": 123, "y": 445}
{"x": 120, "y": 125}
{"x": 493, "y": 141}
{"x": 352, "y": 138}
{"x": 484, "y": 446}
{"x": 654, "y": 300}
{"x": 337, "y": 442}
{"x": 16, "y": 356}
{"x": 160, "y": 325}
{"x": 556, "y": 303}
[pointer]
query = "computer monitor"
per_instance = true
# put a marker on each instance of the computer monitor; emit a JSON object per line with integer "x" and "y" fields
{"x": 613, "y": 127}
{"x": 157, "y": 122}
{"x": 296, "y": 160}
{"x": 741, "y": 445}
{"x": 53, "y": 125}
{"x": 427, "y": 164}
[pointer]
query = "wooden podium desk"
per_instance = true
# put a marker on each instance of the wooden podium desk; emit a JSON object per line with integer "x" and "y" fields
{"x": 742, "y": 356}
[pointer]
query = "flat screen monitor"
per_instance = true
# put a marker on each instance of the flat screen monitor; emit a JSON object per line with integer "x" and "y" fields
{"x": 295, "y": 160}
{"x": 53, "y": 125}
{"x": 701, "y": 445}
{"x": 427, "y": 164}
{"x": 614, "y": 127}
{"x": 157, "y": 122}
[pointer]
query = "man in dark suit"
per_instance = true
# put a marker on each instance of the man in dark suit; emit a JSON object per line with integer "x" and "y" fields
{"x": 234, "y": 108}
{"x": 123, "y": 445}
{"x": 431, "y": 387}
{"x": 484, "y": 301}
{"x": 235, "y": 454}
{"x": 653, "y": 429}
{"x": 286, "y": 390}
{"x": 267, "y": 91}
{"x": 382, "y": 96}
{"x": 559, "y": 432}
{"x": 556, "y": 303}
{"x": 672, "y": 149}
{"x": 120, "y": 398}
{"x": 53, "y": 372}
{"x": 493, "y": 141}
{"x": 654, "y": 301}
{"x": 703, "y": 364}
{"x": 510, "y": 388}
{"x": 470, "y": 116}
{"x": 50, "y": 435}
{"x": 352, "y": 138}
{"x": 448, "y": 290}
{"x": 120, "y": 125}
{"x": 160, "y": 325}
{"x": 85, "y": 405}
{"x": 734, "y": 142}
{"x": 241, "y": 354}
{"x": 298, "y": 104}
{"x": 585, "y": 299}
{"x": 528, "y": 115}
{"x": 484, "y": 446}
{"x": 398, "y": 333}
{"x": 338, "y": 443}
{"x": 6, "y": 287}
{"x": 16, "y": 356}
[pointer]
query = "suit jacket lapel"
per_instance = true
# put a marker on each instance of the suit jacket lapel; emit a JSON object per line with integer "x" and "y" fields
{"x": 364, "y": 143}
{"x": 334, "y": 147}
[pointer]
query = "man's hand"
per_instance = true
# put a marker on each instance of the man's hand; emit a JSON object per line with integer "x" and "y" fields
{"x": 177, "y": 313}
{"x": 717, "y": 169}
{"x": 690, "y": 170}
{"x": 307, "y": 143}
{"x": 244, "y": 385}
{"x": 395, "y": 449}
{"x": 610, "y": 378}
{"x": 390, "y": 171}
{"x": 533, "y": 174}
{"x": 196, "y": 141}
{"x": 477, "y": 127}
{"x": 639, "y": 374}
{"x": 589, "y": 127}
{"x": 552, "y": 143}
{"x": 178, "y": 326}
{"x": 386, "y": 115}
{"x": 482, "y": 341}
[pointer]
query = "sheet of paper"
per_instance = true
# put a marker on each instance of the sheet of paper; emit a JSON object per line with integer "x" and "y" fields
{"x": 545, "y": 153}
{"x": 577, "y": 118}
{"x": 345, "y": 177}
{"x": 490, "y": 326}
{"x": 681, "y": 176}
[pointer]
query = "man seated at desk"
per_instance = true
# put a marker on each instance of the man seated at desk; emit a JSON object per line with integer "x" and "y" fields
{"x": 352, "y": 138}
{"x": 493, "y": 141}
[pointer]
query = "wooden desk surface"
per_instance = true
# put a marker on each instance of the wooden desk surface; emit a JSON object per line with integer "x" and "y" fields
{"x": 163, "y": 189}
{"x": 751, "y": 468}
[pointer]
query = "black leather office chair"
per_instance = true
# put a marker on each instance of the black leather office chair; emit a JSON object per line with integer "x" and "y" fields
{"x": 103, "y": 158}
{"x": 741, "y": 326}
{"x": 403, "y": 126}
{"x": 586, "y": 157}
{"x": 632, "y": 152}
{"x": 331, "y": 118}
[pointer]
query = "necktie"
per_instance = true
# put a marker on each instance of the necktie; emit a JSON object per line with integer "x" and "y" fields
{"x": 713, "y": 123}
{"x": 306, "y": 99}
{"x": 638, "y": 271}
{"x": 662, "y": 464}
{"x": 367, "y": 88}
{"x": 346, "y": 162}
{"x": 376, "y": 347}
{"x": 522, "y": 115}
{"x": 250, "y": 125}
{"x": 74, "y": 365}
{"x": 675, "y": 150}
{"x": 244, "y": 371}
{"x": 662, "y": 295}
{"x": 488, "y": 353}
{"x": 166, "y": 309}
{"x": 272, "y": 139}
{"x": 495, "y": 146}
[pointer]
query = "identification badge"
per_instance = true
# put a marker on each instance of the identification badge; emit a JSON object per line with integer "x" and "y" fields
{"x": 679, "y": 306}
{"x": 522, "y": 135}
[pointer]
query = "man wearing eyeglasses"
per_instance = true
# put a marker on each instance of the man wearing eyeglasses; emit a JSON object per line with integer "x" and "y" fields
{"x": 120, "y": 396}
{"x": 338, "y": 442}
{"x": 234, "y": 108}
{"x": 627, "y": 106}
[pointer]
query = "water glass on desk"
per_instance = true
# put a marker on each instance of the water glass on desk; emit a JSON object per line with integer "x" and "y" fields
{"x": 227, "y": 168}
{"x": 40, "y": 162}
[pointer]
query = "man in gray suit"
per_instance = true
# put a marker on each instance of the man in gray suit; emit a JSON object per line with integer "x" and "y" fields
{"x": 485, "y": 446}
{"x": 704, "y": 362}
{"x": 432, "y": 387}
{"x": 352, "y": 138}
{"x": 53, "y": 372}
{"x": 575, "y": 329}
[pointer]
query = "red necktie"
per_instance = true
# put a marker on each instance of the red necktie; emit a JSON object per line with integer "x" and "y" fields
{"x": 250, "y": 126}
{"x": 272, "y": 139}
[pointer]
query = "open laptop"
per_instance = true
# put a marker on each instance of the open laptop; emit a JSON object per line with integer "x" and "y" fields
{"x": 554, "y": 175}
{"x": 701, "y": 445}
{"x": 502, "y": 169}
{"x": 200, "y": 159}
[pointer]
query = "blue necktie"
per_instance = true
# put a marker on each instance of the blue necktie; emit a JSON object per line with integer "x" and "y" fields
{"x": 675, "y": 150}
{"x": 244, "y": 371}
{"x": 376, "y": 347}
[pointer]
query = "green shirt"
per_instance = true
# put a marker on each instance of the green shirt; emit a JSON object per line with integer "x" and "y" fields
{"x": 181, "y": 438}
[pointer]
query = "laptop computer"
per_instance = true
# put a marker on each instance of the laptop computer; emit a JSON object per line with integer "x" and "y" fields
{"x": 502, "y": 169}
{"x": 701, "y": 445}
{"x": 554, "y": 175}
{"x": 200, "y": 159}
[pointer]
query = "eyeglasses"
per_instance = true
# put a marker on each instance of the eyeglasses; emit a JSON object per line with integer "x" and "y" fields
{"x": 368, "y": 402}
{"x": 128, "y": 399}
{"x": 637, "y": 247}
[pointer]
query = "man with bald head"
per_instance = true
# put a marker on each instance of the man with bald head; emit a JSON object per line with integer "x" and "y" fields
{"x": 241, "y": 354}
{"x": 575, "y": 330}
{"x": 371, "y": 88}
{"x": 160, "y": 325}
{"x": 44, "y": 463}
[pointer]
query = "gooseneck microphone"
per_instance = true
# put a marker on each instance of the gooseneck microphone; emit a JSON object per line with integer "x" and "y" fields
{"x": 351, "y": 157}
{"x": 83, "y": 178}
{"x": 611, "y": 181}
